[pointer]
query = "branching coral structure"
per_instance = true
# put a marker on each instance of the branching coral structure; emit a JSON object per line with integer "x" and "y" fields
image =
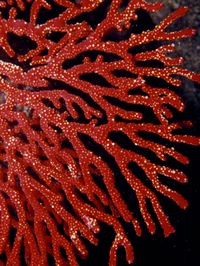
{"x": 81, "y": 106}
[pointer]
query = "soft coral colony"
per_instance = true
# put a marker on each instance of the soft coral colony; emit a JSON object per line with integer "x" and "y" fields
{"x": 68, "y": 106}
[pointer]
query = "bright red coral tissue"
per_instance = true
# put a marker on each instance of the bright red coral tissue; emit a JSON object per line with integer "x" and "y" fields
{"x": 84, "y": 103}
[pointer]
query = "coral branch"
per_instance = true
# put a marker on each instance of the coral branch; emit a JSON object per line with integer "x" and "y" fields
{"x": 80, "y": 120}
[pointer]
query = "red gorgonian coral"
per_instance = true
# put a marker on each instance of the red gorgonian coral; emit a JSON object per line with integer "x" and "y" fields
{"x": 81, "y": 108}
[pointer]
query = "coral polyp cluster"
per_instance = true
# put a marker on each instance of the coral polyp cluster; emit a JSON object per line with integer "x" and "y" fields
{"x": 79, "y": 112}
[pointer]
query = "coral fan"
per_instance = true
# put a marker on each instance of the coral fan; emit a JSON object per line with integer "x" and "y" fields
{"x": 81, "y": 108}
